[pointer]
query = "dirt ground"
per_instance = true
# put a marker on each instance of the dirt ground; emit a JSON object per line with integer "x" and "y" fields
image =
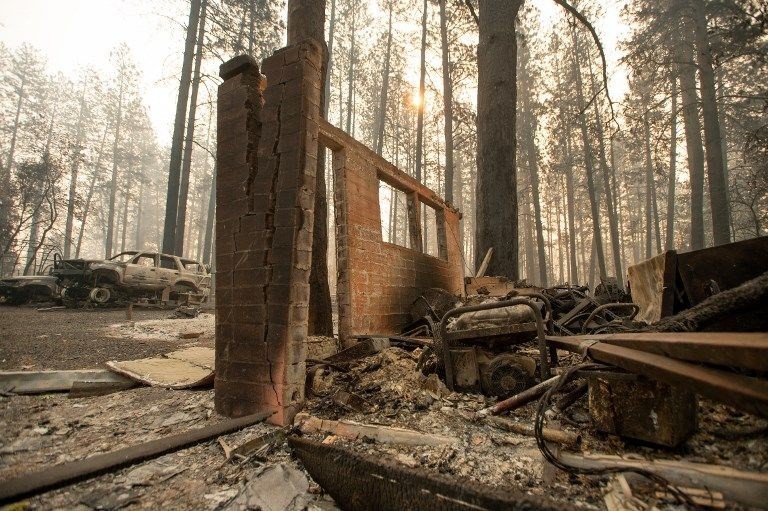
{"x": 41, "y": 431}
{"x": 80, "y": 338}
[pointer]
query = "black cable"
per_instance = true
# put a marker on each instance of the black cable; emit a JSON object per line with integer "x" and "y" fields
{"x": 538, "y": 428}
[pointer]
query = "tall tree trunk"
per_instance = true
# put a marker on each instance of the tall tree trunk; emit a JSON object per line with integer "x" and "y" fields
{"x": 113, "y": 182}
{"x": 91, "y": 189}
{"x": 670, "y": 234}
{"x": 693, "y": 144}
{"x": 381, "y": 114}
{"x": 724, "y": 143}
{"x": 252, "y": 25}
{"x": 530, "y": 141}
{"x": 174, "y": 170}
{"x": 32, "y": 246}
{"x": 181, "y": 217}
{"x": 648, "y": 182}
{"x": 447, "y": 104}
{"x": 14, "y": 134}
{"x": 721, "y": 230}
{"x": 588, "y": 161}
{"x": 422, "y": 90}
{"x": 656, "y": 220}
{"x": 607, "y": 171}
{"x": 126, "y": 202}
{"x": 73, "y": 177}
{"x": 139, "y": 239}
{"x": 573, "y": 273}
{"x": 331, "y": 31}
{"x": 351, "y": 74}
{"x": 209, "y": 220}
{"x": 496, "y": 214}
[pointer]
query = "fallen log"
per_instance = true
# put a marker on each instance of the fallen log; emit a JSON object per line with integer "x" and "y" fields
{"x": 355, "y": 431}
{"x": 748, "y": 488}
{"x": 557, "y": 436}
{"x": 57, "y": 476}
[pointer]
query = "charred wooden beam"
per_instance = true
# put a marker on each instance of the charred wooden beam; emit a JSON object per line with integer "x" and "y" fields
{"x": 732, "y": 349}
{"x": 743, "y": 392}
{"x": 57, "y": 476}
{"x": 357, "y": 482}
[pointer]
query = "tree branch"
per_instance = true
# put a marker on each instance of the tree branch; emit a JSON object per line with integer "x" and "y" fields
{"x": 471, "y": 7}
{"x": 584, "y": 21}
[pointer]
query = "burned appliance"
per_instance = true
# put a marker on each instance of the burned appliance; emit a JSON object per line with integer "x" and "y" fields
{"x": 488, "y": 347}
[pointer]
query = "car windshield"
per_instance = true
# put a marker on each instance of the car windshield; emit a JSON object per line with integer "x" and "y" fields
{"x": 123, "y": 257}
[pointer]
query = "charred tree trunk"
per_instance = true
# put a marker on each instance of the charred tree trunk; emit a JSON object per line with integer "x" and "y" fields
{"x": 420, "y": 112}
{"x": 608, "y": 171}
{"x": 73, "y": 178}
{"x": 721, "y": 230}
{"x": 529, "y": 125}
{"x": 693, "y": 144}
{"x": 91, "y": 189}
{"x": 670, "y": 234}
{"x": 588, "y": 162}
{"x": 327, "y": 78}
{"x": 648, "y": 184}
{"x": 14, "y": 135}
{"x": 209, "y": 221}
{"x": 381, "y": 114}
{"x": 351, "y": 74}
{"x": 447, "y": 105}
{"x": 113, "y": 182}
{"x": 496, "y": 216}
{"x": 181, "y": 219}
{"x": 126, "y": 202}
{"x": 174, "y": 170}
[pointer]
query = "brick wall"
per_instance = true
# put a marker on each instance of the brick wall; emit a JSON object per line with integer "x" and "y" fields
{"x": 266, "y": 157}
{"x": 378, "y": 281}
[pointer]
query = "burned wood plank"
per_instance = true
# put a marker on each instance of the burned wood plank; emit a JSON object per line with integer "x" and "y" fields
{"x": 66, "y": 473}
{"x": 355, "y": 430}
{"x": 734, "y": 349}
{"x": 748, "y": 488}
{"x": 743, "y": 392}
{"x": 358, "y": 482}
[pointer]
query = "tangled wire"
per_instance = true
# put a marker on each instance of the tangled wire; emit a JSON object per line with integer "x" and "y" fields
{"x": 544, "y": 405}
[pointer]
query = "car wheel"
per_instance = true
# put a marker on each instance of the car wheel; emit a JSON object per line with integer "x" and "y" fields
{"x": 100, "y": 295}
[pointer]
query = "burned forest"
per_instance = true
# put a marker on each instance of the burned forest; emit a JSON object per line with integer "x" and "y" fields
{"x": 370, "y": 254}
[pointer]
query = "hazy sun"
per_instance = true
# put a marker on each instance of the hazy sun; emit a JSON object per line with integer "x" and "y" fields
{"x": 416, "y": 100}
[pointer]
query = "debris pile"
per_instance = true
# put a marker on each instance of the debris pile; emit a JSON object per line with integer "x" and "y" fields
{"x": 513, "y": 397}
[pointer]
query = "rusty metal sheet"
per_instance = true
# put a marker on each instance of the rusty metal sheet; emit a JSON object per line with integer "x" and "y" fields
{"x": 743, "y": 392}
{"x": 747, "y": 350}
{"x": 711, "y": 270}
{"x": 359, "y": 483}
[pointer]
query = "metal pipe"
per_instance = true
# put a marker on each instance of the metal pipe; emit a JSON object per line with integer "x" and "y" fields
{"x": 521, "y": 399}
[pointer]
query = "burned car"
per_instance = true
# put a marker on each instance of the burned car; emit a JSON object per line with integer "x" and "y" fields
{"x": 28, "y": 288}
{"x": 131, "y": 275}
